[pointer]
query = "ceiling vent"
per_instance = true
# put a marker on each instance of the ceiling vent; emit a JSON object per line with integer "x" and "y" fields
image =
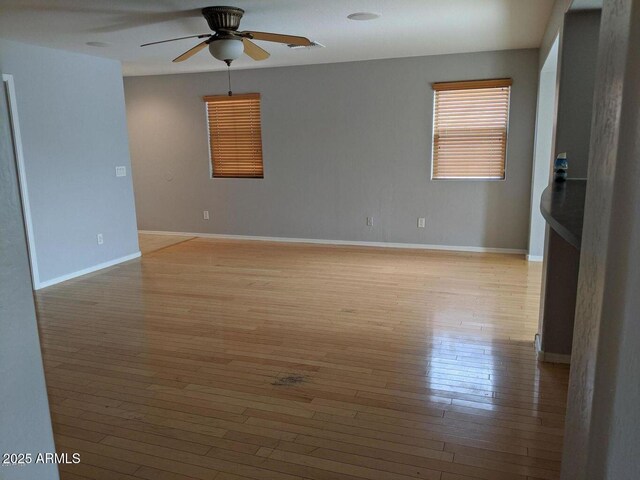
{"x": 305, "y": 47}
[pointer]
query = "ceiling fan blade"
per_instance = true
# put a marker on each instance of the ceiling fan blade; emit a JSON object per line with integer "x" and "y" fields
{"x": 254, "y": 51}
{"x": 280, "y": 38}
{"x": 191, "y": 52}
{"x": 204, "y": 35}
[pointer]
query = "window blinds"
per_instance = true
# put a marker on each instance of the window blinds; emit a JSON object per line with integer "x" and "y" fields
{"x": 235, "y": 135}
{"x": 470, "y": 129}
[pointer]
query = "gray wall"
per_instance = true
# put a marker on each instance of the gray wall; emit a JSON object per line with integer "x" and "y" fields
{"x": 73, "y": 124}
{"x": 25, "y": 425}
{"x": 558, "y": 299}
{"x": 341, "y": 142}
{"x": 578, "y": 57}
{"x": 578, "y": 47}
{"x": 602, "y": 436}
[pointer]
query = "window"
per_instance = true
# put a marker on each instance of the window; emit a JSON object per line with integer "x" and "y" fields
{"x": 470, "y": 125}
{"x": 235, "y": 136}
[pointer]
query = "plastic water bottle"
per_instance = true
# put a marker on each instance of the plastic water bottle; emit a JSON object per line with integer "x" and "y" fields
{"x": 560, "y": 167}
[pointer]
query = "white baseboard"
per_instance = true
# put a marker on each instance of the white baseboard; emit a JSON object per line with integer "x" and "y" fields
{"x": 549, "y": 357}
{"x": 85, "y": 271}
{"x": 535, "y": 258}
{"x": 421, "y": 246}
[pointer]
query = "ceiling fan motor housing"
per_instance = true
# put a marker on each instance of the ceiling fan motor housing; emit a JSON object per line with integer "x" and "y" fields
{"x": 223, "y": 18}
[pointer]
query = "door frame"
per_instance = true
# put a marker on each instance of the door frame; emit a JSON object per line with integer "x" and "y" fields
{"x": 10, "y": 92}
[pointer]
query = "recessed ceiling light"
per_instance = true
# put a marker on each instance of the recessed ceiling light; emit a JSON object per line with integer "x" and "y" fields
{"x": 363, "y": 16}
{"x": 98, "y": 44}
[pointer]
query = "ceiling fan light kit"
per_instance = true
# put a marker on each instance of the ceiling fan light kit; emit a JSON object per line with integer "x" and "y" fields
{"x": 226, "y": 49}
{"x": 226, "y": 43}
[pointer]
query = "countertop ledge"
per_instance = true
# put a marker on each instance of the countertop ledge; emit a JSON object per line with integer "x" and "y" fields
{"x": 562, "y": 206}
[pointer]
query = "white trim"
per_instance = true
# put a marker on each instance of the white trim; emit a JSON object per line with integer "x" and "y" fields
{"x": 22, "y": 176}
{"x": 85, "y": 271}
{"x": 549, "y": 357}
{"x": 322, "y": 241}
{"x": 537, "y": 346}
{"x": 535, "y": 258}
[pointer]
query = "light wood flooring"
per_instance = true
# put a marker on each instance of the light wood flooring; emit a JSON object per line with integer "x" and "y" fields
{"x": 151, "y": 242}
{"x": 234, "y": 360}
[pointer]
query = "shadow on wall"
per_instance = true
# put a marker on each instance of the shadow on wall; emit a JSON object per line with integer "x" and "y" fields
{"x": 510, "y": 10}
{"x": 124, "y": 19}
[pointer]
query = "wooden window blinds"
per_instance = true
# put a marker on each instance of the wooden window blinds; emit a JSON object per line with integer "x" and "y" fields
{"x": 470, "y": 129}
{"x": 235, "y": 135}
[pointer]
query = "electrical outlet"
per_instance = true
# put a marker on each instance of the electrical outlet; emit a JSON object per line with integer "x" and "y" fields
{"x": 100, "y": 239}
{"x": 205, "y": 214}
{"x": 121, "y": 171}
{"x": 369, "y": 221}
{"x": 422, "y": 222}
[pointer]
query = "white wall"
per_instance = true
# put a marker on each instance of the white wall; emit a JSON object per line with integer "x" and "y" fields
{"x": 74, "y": 134}
{"x": 543, "y": 152}
{"x": 25, "y": 424}
{"x": 341, "y": 142}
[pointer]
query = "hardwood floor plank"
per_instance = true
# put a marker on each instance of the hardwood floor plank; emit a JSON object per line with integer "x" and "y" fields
{"x": 114, "y": 454}
{"x": 233, "y": 360}
{"x": 149, "y": 473}
{"x": 150, "y": 242}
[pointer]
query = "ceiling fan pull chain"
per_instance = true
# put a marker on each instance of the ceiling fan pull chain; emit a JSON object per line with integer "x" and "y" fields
{"x": 229, "y": 77}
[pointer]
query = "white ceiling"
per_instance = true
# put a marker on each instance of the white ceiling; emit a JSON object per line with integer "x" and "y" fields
{"x": 406, "y": 28}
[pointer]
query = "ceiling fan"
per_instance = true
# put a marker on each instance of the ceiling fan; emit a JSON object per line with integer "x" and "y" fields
{"x": 226, "y": 43}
